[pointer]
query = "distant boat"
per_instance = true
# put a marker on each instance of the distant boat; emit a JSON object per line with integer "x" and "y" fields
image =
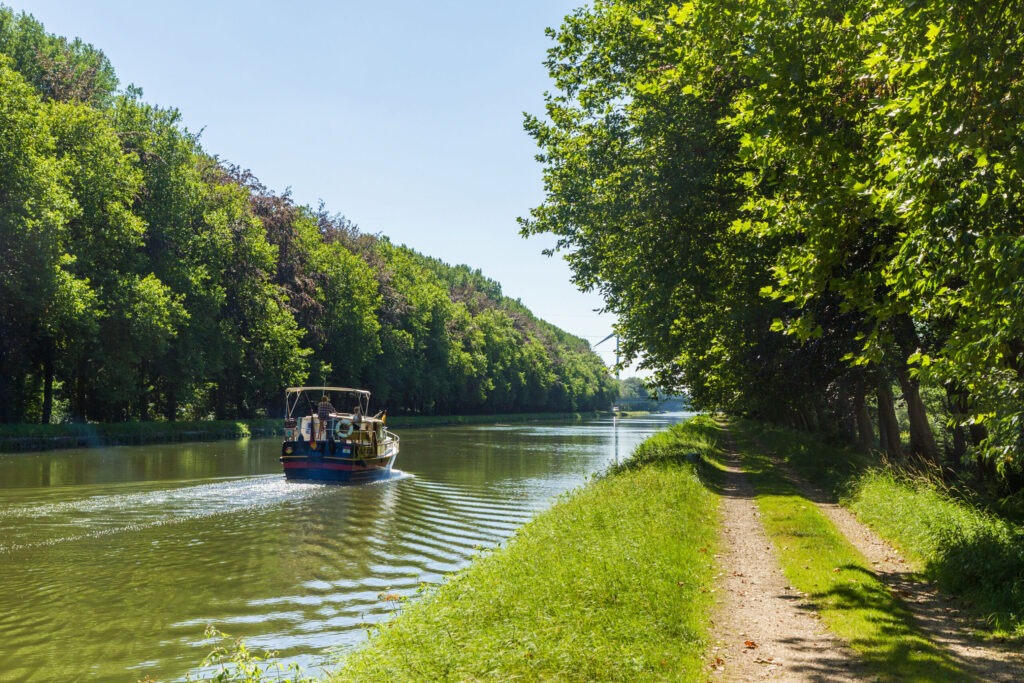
{"x": 337, "y": 445}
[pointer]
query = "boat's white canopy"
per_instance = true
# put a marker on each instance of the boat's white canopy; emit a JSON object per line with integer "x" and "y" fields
{"x": 296, "y": 390}
{"x": 295, "y": 395}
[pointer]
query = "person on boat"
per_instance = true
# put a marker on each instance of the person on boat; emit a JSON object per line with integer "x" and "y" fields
{"x": 323, "y": 411}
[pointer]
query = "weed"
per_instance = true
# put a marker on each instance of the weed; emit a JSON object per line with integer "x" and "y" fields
{"x": 233, "y": 662}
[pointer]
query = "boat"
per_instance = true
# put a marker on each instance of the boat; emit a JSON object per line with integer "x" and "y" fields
{"x": 328, "y": 444}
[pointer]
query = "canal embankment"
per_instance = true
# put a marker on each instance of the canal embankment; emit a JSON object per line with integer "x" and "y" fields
{"x": 615, "y": 581}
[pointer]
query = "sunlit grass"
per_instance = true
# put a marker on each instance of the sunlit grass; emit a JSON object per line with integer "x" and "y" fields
{"x": 855, "y": 605}
{"x": 613, "y": 583}
{"x": 967, "y": 551}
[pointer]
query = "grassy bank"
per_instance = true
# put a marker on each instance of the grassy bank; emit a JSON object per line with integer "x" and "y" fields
{"x": 21, "y": 438}
{"x": 611, "y": 583}
{"x": 967, "y": 551}
{"x": 414, "y": 421}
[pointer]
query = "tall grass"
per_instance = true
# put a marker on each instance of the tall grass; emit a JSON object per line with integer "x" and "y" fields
{"x": 612, "y": 583}
{"x": 967, "y": 551}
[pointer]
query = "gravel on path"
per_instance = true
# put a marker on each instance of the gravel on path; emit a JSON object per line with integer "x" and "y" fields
{"x": 763, "y": 628}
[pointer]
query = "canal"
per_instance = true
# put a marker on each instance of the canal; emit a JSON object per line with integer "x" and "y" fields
{"x": 113, "y": 562}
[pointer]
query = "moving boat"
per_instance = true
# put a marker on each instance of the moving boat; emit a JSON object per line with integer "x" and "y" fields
{"x": 338, "y": 445}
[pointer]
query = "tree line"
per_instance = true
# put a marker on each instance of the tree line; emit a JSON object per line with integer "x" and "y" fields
{"x": 143, "y": 278}
{"x": 806, "y": 212}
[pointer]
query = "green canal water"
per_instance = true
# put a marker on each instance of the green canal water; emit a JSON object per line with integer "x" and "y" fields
{"x": 113, "y": 562}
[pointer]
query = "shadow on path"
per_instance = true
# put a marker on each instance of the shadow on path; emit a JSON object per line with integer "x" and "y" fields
{"x": 906, "y": 595}
{"x": 764, "y": 628}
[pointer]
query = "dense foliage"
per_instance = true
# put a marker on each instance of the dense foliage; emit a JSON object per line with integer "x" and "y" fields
{"x": 808, "y": 212}
{"x": 141, "y": 278}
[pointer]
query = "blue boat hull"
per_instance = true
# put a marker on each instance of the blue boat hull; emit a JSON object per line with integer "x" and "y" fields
{"x": 334, "y": 463}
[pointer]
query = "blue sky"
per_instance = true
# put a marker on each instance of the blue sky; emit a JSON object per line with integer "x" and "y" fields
{"x": 406, "y": 117}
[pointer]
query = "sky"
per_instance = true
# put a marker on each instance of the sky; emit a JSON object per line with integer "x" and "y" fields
{"x": 405, "y": 117}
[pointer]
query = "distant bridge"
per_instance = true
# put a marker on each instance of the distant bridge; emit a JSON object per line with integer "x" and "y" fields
{"x": 646, "y": 403}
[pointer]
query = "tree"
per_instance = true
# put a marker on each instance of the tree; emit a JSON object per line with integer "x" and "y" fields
{"x": 39, "y": 295}
{"x": 58, "y": 69}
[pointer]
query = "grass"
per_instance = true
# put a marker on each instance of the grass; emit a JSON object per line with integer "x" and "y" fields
{"x": 818, "y": 560}
{"x": 30, "y": 437}
{"x": 612, "y": 583}
{"x": 966, "y": 550}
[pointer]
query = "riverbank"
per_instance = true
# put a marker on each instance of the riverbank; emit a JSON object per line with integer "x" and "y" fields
{"x": 613, "y": 583}
{"x": 24, "y": 438}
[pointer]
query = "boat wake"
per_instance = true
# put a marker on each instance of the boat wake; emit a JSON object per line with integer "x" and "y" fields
{"x": 103, "y": 514}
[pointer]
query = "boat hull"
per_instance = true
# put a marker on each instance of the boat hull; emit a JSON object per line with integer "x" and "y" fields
{"x": 301, "y": 462}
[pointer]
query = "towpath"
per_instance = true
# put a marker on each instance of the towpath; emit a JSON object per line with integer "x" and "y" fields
{"x": 764, "y": 629}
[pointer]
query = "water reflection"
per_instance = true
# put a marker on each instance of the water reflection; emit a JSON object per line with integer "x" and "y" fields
{"x": 113, "y": 563}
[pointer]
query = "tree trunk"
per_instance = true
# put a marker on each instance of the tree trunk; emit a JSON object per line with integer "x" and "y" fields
{"x": 865, "y": 432}
{"x": 48, "y": 361}
{"x": 78, "y": 408}
{"x": 846, "y": 424}
{"x": 888, "y": 426}
{"x": 143, "y": 393}
{"x": 821, "y": 417}
{"x": 171, "y": 408}
{"x": 922, "y": 441}
{"x": 978, "y": 433}
{"x": 957, "y": 401}
{"x": 806, "y": 418}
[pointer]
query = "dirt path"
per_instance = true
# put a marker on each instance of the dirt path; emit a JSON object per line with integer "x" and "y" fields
{"x": 763, "y": 628}
{"x": 939, "y": 617}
